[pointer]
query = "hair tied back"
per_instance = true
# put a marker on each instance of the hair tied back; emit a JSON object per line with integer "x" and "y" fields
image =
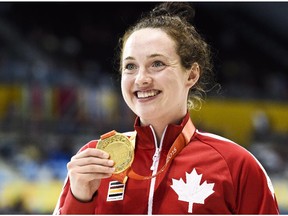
{"x": 183, "y": 10}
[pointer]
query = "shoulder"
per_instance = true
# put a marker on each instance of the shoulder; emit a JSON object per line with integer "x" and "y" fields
{"x": 235, "y": 156}
{"x": 129, "y": 133}
{"x": 90, "y": 144}
{"x": 222, "y": 145}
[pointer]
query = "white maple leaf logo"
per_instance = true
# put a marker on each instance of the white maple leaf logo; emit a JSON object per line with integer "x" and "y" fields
{"x": 192, "y": 191}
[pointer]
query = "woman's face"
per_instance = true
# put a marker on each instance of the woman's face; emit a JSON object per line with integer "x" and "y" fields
{"x": 154, "y": 84}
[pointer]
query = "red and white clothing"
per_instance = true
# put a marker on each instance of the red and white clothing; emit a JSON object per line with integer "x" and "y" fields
{"x": 211, "y": 175}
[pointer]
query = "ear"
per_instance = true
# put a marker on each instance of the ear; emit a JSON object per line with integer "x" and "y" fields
{"x": 193, "y": 74}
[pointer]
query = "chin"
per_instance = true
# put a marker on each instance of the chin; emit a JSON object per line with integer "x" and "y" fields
{"x": 148, "y": 116}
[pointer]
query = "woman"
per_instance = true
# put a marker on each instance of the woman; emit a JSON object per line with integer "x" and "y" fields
{"x": 176, "y": 169}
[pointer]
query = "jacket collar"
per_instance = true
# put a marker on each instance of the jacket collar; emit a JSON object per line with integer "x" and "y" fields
{"x": 145, "y": 137}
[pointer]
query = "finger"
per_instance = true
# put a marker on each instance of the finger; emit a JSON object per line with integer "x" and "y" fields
{"x": 89, "y": 161}
{"x": 90, "y": 177}
{"x": 92, "y": 169}
{"x": 92, "y": 152}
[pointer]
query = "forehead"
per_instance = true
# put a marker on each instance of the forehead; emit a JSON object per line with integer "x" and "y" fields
{"x": 148, "y": 40}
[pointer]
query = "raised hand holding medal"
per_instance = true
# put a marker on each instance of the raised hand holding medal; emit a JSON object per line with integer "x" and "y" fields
{"x": 120, "y": 149}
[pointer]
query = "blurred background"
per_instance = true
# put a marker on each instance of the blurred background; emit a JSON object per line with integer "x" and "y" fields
{"x": 59, "y": 88}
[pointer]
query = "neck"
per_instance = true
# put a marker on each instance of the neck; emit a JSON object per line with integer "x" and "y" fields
{"x": 160, "y": 125}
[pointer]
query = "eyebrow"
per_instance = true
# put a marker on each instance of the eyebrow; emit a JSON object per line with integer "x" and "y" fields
{"x": 129, "y": 58}
{"x": 150, "y": 56}
{"x": 155, "y": 55}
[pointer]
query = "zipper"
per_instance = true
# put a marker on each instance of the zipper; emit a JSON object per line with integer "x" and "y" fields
{"x": 155, "y": 159}
{"x": 154, "y": 168}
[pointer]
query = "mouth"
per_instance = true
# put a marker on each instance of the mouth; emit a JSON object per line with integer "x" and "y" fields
{"x": 146, "y": 94}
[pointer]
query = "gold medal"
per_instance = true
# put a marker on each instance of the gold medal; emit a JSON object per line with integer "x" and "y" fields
{"x": 120, "y": 149}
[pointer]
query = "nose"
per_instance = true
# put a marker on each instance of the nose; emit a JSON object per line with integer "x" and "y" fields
{"x": 143, "y": 78}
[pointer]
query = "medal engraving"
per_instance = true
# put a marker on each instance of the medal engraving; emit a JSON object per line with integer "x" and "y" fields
{"x": 120, "y": 149}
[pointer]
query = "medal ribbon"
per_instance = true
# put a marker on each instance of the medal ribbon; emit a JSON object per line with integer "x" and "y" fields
{"x": 180, "y": 142}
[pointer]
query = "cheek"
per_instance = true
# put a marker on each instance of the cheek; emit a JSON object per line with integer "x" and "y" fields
{"x": 125, "y": 85}
{"x": 122, "y": 86}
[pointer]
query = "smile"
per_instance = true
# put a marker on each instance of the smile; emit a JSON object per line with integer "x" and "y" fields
{"x": 147, "y": 94}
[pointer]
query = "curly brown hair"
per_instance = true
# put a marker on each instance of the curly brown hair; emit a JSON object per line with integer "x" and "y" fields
{"x": 174, "y": 18}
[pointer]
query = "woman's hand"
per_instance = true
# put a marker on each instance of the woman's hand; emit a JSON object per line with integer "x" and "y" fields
{"x": 86, "y": 169}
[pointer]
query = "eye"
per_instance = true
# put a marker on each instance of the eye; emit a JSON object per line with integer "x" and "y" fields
{"x": 129, "y": 68}
{"x": 158, "y": 64}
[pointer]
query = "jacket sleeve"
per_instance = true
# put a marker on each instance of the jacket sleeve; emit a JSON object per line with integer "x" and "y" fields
{"x": 67, "y": 203}
{"x": 253, "y": 187}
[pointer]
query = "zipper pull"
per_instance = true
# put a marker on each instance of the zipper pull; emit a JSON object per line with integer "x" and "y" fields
{"x": 155, "y": 159}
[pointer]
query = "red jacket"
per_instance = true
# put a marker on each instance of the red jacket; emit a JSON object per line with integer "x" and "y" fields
{"x": 211, "y": 175}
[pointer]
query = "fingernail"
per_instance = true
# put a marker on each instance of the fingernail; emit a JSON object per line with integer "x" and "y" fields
{"x": 105, "y": 155}
{"x": 110, "y": 162}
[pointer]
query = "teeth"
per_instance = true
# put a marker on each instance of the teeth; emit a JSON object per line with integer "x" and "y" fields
{"x": 146, "y": 94}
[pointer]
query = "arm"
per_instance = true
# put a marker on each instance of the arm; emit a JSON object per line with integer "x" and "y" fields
{"x": 85, "y": 171}
{"x": 253, "y": 188}
{"x": 68, "y": 204}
